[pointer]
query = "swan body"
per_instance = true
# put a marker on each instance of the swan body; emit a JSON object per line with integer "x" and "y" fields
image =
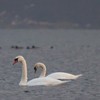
{"x": 63, "y": 75}
{"x": 56, "y": 75}
{"x": 46, "y": 81}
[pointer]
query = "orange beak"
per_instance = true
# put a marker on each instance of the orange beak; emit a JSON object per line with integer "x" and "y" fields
{"x": 14, "y": 62}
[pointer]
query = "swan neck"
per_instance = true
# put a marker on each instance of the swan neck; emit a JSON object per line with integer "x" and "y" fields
{"x": 24, "y": 73}
{"x": 43, "y": 73}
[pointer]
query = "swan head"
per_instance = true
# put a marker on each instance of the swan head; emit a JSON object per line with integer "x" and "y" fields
{"x": 37, "y": 65}
{"x": 18, "y": 59}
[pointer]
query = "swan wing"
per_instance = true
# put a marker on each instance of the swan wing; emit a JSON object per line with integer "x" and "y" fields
{"x": 46, "y": 81}
{"x": 63, "y": 75}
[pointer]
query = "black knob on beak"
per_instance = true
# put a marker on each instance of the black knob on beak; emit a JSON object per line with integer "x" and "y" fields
{"x": 35, "y": 69}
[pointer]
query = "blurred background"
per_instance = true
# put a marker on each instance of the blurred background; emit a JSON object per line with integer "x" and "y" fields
{"x": 50, "y": 14}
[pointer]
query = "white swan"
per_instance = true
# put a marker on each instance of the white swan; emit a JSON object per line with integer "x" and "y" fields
{"x": 46, "y": 81}
{"x": 56, "y": 75}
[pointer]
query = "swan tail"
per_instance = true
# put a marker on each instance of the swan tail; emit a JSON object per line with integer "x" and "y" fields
{"x": 77, "y": 76}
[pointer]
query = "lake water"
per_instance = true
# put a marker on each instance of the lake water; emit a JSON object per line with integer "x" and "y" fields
{"x": 72, "y": 51}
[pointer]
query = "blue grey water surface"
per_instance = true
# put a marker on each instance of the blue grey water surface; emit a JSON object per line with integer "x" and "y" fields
{"x": 72, "y": 51}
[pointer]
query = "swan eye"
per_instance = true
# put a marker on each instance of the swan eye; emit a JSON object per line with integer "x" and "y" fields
{"x": 16, "y": 59}
{"x": 35, "y": 69}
